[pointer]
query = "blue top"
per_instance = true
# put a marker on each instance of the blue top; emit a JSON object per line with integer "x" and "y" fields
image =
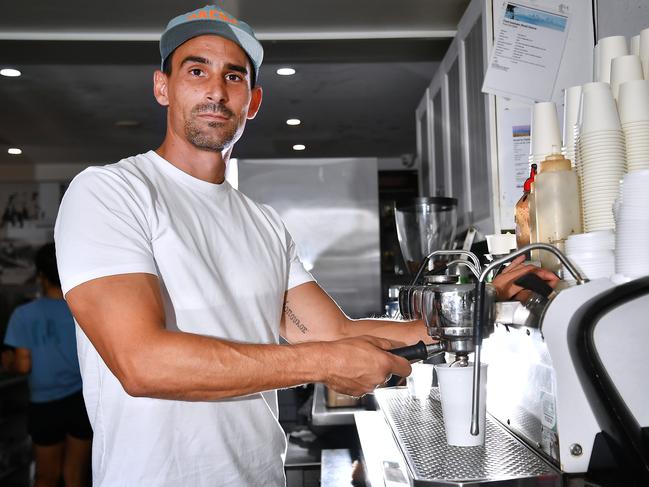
{"x": 46, "y": 327}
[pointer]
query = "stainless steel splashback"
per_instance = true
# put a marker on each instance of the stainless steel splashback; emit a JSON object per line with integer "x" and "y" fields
{"x": 330, "y": 206}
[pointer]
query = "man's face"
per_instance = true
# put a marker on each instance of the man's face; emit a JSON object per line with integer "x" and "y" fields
{"x": 208, "y": 92}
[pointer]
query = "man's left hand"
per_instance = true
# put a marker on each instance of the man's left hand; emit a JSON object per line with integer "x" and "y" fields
{"x": 504, "y": 282}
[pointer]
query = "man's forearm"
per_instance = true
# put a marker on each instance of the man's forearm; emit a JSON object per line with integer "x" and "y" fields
{"x": 404, "y": 332}
{"x": 185, "y": 366}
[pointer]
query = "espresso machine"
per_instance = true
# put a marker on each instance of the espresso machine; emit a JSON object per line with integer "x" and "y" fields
{"x": 567, "y": 388}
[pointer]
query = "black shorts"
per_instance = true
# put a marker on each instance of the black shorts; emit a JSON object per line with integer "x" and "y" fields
{"x": 50, "y": 422}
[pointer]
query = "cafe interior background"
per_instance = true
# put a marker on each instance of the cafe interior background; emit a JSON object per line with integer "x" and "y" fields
{"x": 385, "y": 104}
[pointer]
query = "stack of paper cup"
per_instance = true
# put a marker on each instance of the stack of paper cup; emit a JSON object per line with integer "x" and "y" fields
{"x": 609, "y": 48}
{"x": 633, "y": 106}
{"x": 623, "y": 69}
{"x": 643, "y": 50}
{"x": 592, "y": 253}
{"x": 601, "y": 156}
{"x": 546, "y": 136}
{"x": 632, "y": 235}
{"x": 571, "y": 101}
{"x": 596, "y": 85}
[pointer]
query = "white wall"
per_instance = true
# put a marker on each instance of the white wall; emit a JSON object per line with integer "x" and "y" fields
{"x": 622, "y": 17}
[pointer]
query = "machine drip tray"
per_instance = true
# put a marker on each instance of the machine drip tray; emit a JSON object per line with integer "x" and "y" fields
{"x": 418, "y": 428}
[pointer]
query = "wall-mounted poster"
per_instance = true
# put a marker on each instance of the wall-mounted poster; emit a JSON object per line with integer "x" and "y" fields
{"x": 27, "y": 215}
{"x": 528, "y": 49}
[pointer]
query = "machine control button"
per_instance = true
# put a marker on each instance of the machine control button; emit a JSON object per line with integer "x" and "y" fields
{"x": 575, "y": 449}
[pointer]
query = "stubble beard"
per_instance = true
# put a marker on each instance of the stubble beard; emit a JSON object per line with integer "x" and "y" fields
{"x": 218, "y": 136}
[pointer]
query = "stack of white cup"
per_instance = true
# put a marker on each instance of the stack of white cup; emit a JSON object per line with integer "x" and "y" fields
{"x": 592, "y": 253}
{"x": 632, "y": 234}
{"x": 607, "y": 49}
{"x": 571, "y": 102}
{"x": 623, "y": 69}
{"x": 546, "y": 135}
{"x": 633, "y": 107}
{"x": 601, "y": 157}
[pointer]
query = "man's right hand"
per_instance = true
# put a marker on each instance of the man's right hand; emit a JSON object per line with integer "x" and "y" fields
{"x": 356, "y": 366}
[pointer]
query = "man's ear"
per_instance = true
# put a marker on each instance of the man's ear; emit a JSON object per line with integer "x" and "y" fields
{"x": 255, "y": 102}
{"x": 160, "y": 87}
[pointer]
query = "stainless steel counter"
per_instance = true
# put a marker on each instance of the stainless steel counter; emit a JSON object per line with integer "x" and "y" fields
{"x": 415, "y": 442}
{"x": 321, "y": 415}
{"x": 380, "y": 451}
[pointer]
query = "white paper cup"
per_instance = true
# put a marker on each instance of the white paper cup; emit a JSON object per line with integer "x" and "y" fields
{"x": 595, "y": 62}
{"x": 571, "y": 101}
{"x": 643, "y": 124}
{"x": 590, "y": 242}
{"x": 546, "y": 136}
{"x": 635, "y": 45}
{"x": 623, "y": 69}
{"x": 641, "y": 134}
{"x": 595, "y": 85}
{"x": 456, "y": 392}
{"x": 644, "y": 51}
{"x": 599, "y": 111}
{"x": 420, "y": 380}
{"x": 609, "y": 48}
{"x": 633, "y": 101}
{"x": 501, "y": 244}
{"x": 606, "y": 146}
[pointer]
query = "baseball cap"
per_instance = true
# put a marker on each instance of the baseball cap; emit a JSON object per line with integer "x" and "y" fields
{"x": 215, "y": 21}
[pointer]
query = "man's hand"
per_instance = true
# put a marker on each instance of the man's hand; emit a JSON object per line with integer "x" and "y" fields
{"x": 356, "y": 366}
{"x": 504, "y": 282}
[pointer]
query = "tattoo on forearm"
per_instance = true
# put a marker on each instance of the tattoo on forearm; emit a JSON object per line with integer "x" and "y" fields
{"x": 294, "y": 319}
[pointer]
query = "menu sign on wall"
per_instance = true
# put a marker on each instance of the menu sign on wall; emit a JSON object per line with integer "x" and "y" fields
{"x": 514, "y": 149}
{"x": 527, "y": 52}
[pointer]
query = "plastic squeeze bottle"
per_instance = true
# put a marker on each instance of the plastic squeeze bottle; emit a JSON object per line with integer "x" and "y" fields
{"x": 556, "y": 206}
{"x": 522, "y": 212}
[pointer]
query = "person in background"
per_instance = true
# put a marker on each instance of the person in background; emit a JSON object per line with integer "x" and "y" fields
{"x": 43, "y": 336}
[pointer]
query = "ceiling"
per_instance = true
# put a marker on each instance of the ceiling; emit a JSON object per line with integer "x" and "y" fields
{"x": 362, "y": 67}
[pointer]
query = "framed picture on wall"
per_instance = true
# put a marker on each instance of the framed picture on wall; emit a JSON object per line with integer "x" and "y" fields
{"x": 27, "y": 216}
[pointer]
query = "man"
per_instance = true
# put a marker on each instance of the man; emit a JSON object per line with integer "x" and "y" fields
{"x": 181, "y": 287}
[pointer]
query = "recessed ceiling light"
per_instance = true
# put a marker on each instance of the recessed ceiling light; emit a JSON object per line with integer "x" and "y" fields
{"x": 15, "y": 151}
{"x": 299, "y": 147}
{"x": 12, "y": 73}
{"x": 293, "y": 121}
{"x": 285, "y": 71}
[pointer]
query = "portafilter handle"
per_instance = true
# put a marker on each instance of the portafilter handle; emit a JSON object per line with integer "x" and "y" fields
{"x": 479, "y": 316}
{"x": 418, "y": 351}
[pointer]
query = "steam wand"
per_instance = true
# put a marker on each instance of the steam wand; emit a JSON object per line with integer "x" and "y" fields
{"x": 423, "y": 265}
{"x": 479, "y": 317}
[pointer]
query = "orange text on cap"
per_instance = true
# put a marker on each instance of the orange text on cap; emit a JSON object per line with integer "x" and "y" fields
{"x": 212, "y": 14}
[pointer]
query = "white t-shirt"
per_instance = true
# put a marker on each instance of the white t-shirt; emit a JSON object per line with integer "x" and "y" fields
{"x": 224, "y": 263}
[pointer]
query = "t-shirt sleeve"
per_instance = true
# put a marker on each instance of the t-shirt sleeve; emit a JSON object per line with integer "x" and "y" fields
{"x": 17, "y": 334}
{"x": 297, "y": 274}
{"x": 102, "y": 229}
